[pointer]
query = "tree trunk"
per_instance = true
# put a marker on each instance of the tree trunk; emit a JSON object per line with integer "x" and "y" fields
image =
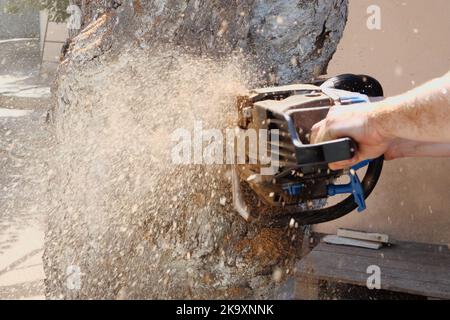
{"x": 125, "y": 221}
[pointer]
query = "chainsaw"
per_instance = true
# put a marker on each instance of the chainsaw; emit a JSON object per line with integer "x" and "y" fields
{"x": 297, "y": 183}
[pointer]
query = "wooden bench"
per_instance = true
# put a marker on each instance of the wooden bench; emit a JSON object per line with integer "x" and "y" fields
{"x": 412, "y": 268}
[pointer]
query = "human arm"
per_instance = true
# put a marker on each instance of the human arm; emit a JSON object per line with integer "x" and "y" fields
{"x": 416, "y": 123}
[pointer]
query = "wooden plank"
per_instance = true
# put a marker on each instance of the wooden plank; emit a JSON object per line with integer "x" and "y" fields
{"x": 442, "y": 250}
{"x": 397, "y": 252}
{"x": 306, "y": 288}
{"x": 350, "y": 269}
{"x": 438, "y": 248}
{"x": 337, "y": 240}
{"x": 387, "y": 283}
{"x": 360, "y": 235}
{"x": 393, "y": 252}
{"x": 400, "y": 269}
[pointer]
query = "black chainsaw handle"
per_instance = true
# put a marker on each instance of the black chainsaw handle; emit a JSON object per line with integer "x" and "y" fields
{"x": 326, "y": 152}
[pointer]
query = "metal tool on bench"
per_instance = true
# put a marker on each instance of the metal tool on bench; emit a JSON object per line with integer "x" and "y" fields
{"x": 300, "y": 183}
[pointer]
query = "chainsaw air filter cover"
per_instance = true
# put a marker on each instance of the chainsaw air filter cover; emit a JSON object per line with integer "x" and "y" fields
{"x": 298, "y": 178}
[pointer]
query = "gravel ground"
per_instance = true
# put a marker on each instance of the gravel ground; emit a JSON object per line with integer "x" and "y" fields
{"x": 24, "y": 144}
{"x": 19, "y": 56}
{"x": 24, "y": 141}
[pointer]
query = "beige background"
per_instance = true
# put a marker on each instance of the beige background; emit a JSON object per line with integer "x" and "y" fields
{"x": 412, "y": 200}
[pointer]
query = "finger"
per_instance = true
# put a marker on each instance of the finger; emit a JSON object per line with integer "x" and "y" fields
{"x": 321, "y": 133}
{"x": 344, "y": 164}
{"x": 317, "y": 126}
{"x": 315, "y": 130}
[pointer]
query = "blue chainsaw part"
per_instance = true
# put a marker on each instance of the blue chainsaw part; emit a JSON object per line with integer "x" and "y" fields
{"x": 353, "y": 100}
{"x": 293, "y": 190}
{"x": 354, "y": 187}
{"x": 351, "y": 97}
{"x": 361, "y": 165}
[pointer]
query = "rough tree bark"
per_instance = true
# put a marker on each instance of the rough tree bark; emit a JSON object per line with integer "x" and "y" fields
{"x": 182, "y": 238}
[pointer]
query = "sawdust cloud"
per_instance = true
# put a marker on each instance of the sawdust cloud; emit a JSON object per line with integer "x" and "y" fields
{"x": 118, "y": 208}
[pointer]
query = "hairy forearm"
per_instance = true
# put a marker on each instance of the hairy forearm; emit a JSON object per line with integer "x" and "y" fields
{"x": 406, "y": 148}
{"x": 422, "y": 114}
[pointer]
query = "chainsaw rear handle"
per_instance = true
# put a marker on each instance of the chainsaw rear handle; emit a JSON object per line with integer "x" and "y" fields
{"x": 326, "y": 152}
